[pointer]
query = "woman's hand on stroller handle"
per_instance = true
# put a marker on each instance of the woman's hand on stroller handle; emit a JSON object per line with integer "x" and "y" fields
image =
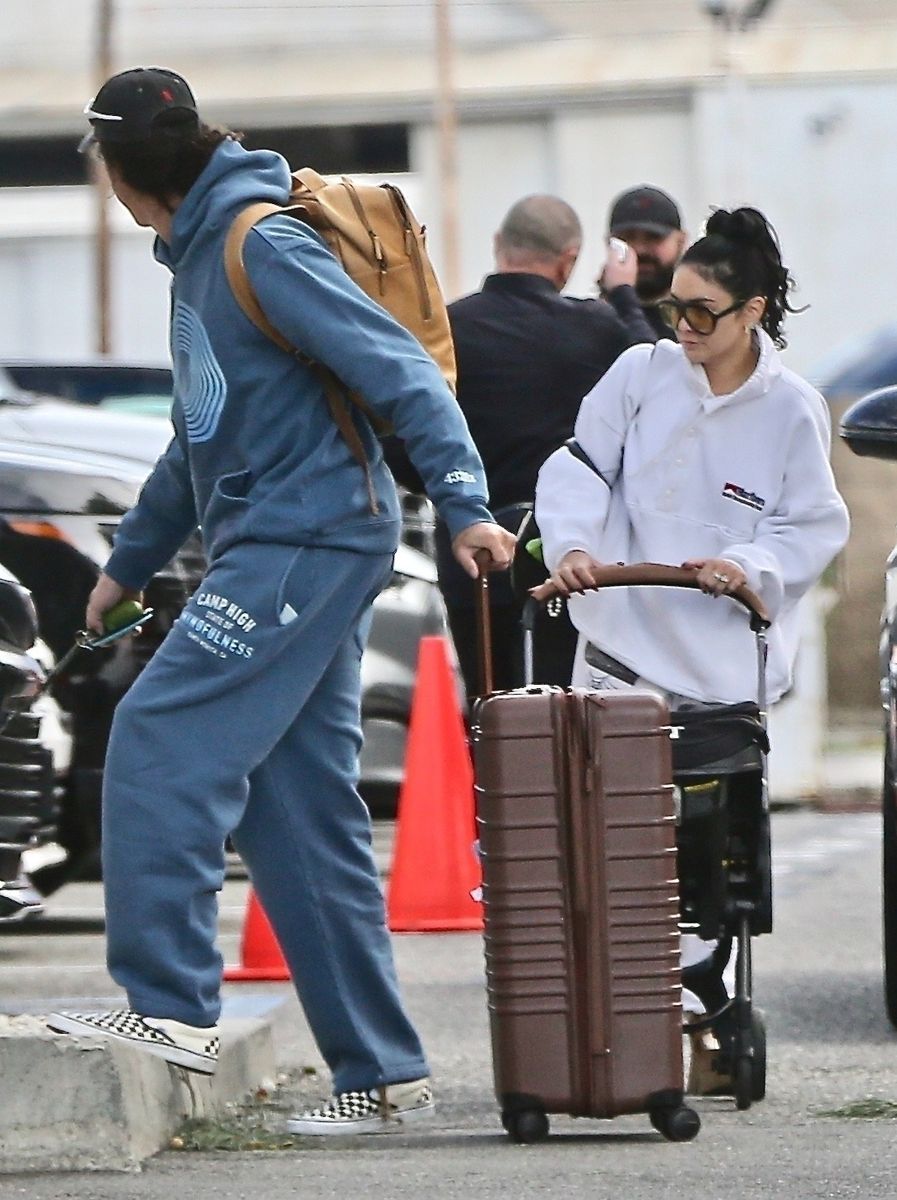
{"x": 646, "y": 574}
{"x": 576, "y": 572}
{"x": 717, "y": 576}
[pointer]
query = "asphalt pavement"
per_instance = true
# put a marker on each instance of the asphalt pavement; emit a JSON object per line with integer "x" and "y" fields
{"x": 831, "y": 1051}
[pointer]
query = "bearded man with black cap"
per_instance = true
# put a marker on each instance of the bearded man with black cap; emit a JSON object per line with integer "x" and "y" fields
{"x": 648, "y": 220}
{"x": 246, "y": 721}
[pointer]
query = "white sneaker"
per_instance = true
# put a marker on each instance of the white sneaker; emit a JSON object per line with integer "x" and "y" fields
{"x": 19, "y": 900}
{"x": 381, "y": 1110}
{"x": 189, "y": 1046}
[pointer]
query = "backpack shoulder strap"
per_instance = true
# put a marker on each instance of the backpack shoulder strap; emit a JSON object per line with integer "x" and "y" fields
{"x": 236, "y": 270}
{"x": 245, "y": 296}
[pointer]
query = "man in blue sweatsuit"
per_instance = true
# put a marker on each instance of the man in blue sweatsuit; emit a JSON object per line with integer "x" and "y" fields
{"x": 246, "y": 722}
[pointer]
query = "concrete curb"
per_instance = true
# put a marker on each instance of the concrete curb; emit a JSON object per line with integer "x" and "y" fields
{"x": 91, "y": 1104}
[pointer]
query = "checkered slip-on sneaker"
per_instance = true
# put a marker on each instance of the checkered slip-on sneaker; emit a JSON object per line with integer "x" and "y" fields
{"x": 188, "y": 1046}
{"x": 381, "y": 1110}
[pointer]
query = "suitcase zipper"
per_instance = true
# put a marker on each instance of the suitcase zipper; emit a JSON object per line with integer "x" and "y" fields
{"x": 576, "y": 791}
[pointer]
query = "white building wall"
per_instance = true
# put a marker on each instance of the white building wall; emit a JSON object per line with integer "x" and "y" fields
{"x": 48, "y": 301}
{"x": 602, "y": 150}
{"x": 48, "y": 297}
{"x": 816, "y": 158}
{"x": 498, "y": 162}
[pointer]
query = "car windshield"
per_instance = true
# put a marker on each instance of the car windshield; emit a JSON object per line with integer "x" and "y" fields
{"x": 89, "y": 383}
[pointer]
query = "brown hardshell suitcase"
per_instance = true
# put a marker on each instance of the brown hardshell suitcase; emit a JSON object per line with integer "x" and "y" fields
{"x": 577, "y": 833}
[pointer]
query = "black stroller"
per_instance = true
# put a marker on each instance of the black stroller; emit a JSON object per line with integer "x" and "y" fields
{"x": 723, "y": 834}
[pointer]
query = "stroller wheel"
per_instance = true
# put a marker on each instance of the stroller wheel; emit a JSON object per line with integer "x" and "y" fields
{"x": 749, "y": 1073}
{"x": 743, "y": 1083}
{"x": 758, "y": 1062}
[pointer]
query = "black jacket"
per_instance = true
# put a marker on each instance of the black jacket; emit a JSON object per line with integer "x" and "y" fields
{"x": 526, "y": 357}
{"x": 643, "y": 319}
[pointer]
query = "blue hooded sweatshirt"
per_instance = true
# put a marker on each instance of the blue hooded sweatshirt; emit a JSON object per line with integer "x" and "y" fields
{"x": 256, "y": 455}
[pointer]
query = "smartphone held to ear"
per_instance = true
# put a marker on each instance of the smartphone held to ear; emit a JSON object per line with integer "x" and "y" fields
{"x": 618, "y": 248}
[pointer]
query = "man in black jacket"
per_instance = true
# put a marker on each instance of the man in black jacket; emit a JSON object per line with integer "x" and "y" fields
{"x": 526, "y": 357}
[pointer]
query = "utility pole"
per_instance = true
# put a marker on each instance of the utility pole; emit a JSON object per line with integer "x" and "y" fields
{"x": 447, "y": 140}
{"x": 103, "y": 249}
{"x": 733, "y": 18}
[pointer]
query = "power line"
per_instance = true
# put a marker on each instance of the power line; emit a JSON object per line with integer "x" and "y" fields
{"x": 851, "y": 15}
{"x": 9, "y": 46}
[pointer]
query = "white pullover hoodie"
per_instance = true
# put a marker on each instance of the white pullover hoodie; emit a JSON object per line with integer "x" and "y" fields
{"x": 687, "y": 474}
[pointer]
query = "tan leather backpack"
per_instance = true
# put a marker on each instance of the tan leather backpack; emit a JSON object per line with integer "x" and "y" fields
{"x": 381, "y": 246}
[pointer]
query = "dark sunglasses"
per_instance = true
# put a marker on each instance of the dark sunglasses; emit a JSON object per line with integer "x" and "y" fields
{"x": 698, "y": 317}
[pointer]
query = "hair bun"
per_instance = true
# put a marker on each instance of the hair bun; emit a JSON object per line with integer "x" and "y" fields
{"x": 739, "y": 225}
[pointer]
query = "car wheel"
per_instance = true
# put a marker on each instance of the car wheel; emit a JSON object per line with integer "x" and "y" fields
{"x": 889, "y": 889}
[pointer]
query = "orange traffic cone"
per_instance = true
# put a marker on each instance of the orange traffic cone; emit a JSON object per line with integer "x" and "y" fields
{"x": 260, "y": 954}
{"x": 435, "y": 868}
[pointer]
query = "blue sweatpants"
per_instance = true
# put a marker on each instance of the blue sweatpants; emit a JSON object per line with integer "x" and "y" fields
{"x": 247, "y": 722}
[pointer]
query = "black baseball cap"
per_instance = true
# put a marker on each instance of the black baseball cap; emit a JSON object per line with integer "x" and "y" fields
{"x": 647, "y": 208}
{"x": 132, "y": 105}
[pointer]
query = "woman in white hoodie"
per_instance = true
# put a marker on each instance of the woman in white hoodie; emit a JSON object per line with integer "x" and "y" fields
{"x": 709, "y": 454}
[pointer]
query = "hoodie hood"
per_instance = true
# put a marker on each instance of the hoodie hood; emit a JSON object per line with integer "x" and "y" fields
{"x": 233, "y": 178}
{"x": 758, "y": 383}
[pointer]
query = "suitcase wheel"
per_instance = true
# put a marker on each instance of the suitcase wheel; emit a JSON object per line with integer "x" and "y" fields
{"x": 526, "y": 1125}
{"x": 679, "y": 1124}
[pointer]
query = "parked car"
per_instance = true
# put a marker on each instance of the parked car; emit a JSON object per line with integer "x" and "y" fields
{"x": 28, "y": 800}
{"x": 860, "y": 365}
{"x": 145, "y": 390}
{"x": 41, "y": 421}
{"x": 60, "y": 505}
{"x": 86, "y": 381}
{"x": 869, "y": 428}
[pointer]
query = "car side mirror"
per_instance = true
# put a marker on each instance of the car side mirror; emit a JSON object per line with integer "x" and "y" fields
{"x": 869, "y": 427}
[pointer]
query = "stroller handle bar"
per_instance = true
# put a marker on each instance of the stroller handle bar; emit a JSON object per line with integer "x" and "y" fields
{"x": 610, "y": 575}
{"x": 658, "y": 575}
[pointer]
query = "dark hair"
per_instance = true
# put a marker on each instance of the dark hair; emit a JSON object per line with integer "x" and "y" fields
{"x": 169, "y": 162}
{"x": 740, "y": 251}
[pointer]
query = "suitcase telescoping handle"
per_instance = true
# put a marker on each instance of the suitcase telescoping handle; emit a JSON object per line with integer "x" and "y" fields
{"x": 660, "y": 575}
{"x": 484, "y": 626}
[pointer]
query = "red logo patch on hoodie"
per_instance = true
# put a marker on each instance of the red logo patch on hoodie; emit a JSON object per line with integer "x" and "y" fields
{"x": 732, "y": 491}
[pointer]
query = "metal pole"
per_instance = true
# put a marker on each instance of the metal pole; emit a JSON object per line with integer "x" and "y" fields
{"x": 103, "y": 254}
{"x": 732, "y": 20}
{"x": 447, "y": 138}
{"x": 736, "y": 110}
